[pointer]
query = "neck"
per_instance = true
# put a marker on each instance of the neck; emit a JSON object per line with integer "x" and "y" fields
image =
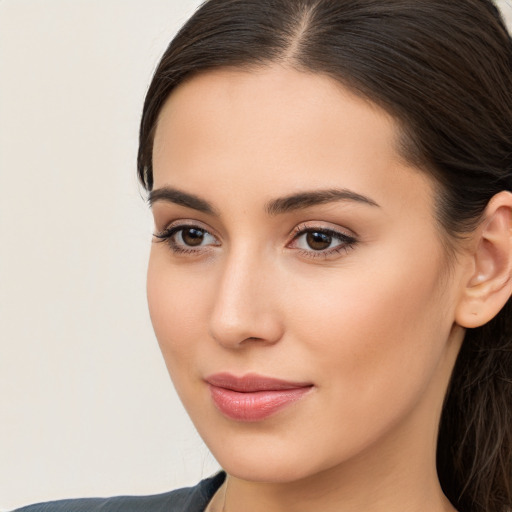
{"x": 357, "y": 486}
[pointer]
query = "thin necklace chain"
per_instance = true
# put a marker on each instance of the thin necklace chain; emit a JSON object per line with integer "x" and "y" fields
{"x": 212, "y": 506}
{"x": 225, "y": 494}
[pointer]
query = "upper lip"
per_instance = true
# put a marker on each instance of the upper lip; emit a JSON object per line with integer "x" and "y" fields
{"x": 252, "y": 382}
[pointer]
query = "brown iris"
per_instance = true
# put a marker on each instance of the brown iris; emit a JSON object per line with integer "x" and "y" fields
{"x": 192, "y": 236}
{"x": 318, "y": 241}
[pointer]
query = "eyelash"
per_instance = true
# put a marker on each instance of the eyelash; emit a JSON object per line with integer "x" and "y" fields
{"x": 347, "y": 242}
{"x": 167, "y": 236}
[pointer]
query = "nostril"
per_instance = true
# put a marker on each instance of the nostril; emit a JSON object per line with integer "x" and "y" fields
{"x": 252, "y": 339}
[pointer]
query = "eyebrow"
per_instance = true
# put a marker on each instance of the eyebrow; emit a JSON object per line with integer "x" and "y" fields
{"x": 181, "y": 198}
{"x": 277, "y": 206}
{"x": 313, "y": 198}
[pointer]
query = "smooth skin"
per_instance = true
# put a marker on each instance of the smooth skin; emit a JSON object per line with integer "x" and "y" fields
{"x": 351, "y": 290}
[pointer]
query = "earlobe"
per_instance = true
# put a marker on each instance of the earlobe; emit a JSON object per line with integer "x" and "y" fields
{"x": 490, "y": 284}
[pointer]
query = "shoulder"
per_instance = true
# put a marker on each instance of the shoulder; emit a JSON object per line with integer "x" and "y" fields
{"x": 189, "y": 499}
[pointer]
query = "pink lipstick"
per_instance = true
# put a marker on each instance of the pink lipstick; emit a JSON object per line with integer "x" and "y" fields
{"x": 253, "y": 397}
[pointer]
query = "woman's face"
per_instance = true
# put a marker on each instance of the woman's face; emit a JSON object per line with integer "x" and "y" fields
{"x": 298, "y": 289}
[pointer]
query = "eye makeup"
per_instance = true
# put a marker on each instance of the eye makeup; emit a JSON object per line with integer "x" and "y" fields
{"x": 309, "y": 240}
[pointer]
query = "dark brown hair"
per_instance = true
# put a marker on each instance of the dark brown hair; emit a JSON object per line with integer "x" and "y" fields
{"x": 443, "y": 70}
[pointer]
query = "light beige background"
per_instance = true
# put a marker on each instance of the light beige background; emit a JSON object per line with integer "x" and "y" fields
{"x": 86, "y": 406}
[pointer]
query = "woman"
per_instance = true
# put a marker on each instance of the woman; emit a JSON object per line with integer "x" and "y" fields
{"x": 331, "y": 273}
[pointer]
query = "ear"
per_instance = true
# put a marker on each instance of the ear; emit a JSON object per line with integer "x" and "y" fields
{"x": 489, "y": 285}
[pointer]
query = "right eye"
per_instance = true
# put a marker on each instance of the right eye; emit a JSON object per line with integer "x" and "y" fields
{"x": 186, "y": 238}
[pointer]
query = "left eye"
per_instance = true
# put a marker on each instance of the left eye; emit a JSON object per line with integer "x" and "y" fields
{"x": 321, "y": 240}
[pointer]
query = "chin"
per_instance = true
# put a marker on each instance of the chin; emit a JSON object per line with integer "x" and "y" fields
{"x": 263, "y": 457}
{"x": 279, "y": 472}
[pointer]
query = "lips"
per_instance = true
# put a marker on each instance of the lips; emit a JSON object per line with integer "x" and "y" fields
{"x": 253, "y": 397}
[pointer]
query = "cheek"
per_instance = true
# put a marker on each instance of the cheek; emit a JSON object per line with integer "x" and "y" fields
{"x": 176, "y": 303}
{"x": 378, "y": 332}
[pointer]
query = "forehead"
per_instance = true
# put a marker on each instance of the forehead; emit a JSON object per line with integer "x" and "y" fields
{"x": 273, "y": 100}
{"x": 278, "y": 128}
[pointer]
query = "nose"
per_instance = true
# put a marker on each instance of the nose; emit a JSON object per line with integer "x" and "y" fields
{"x": 246, "y": 304}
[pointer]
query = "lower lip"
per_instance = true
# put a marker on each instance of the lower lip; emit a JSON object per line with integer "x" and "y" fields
{"x": 256, "y": 405}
